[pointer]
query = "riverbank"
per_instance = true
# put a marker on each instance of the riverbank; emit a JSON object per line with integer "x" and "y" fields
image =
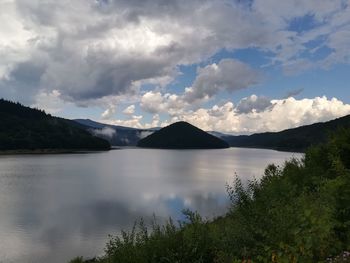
{"x": 50, "y": 151}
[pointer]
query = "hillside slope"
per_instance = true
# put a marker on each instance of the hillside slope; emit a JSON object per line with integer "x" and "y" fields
{"x": 297, "y": 139}
{"x": 32, "y": 129}
{"x": 182, "y": 135}
{"x": 115, "y": 135}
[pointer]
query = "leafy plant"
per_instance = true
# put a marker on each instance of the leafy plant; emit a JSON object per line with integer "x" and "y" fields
{"x": 299, "y": 212}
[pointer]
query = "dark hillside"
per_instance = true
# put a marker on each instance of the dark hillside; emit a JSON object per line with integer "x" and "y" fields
{"x": 32, "y": 129}
{"x": 297, "y": 139}
{"x": 182, "y": 135}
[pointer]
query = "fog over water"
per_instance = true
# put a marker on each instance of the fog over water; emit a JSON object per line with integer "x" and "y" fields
{"x": 56, "y": 207}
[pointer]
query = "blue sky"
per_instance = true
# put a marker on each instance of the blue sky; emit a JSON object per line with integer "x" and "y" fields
{"x": 232, "y": 66}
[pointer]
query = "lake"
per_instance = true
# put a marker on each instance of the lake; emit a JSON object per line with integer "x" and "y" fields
{"x": 56, "y": 207}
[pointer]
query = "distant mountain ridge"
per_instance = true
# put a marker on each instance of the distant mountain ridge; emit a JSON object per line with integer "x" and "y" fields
{"x": 182, "y": 135}
{"x": 115, "y": 135}
{"x": 25, "y": 128}
{"x": 99, "y": 125}
{"x": 296, "y": 139}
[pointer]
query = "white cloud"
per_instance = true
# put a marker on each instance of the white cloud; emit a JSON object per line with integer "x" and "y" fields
{"x": 134, "y": 121}
{"x": 130, "y": 110}
{"x": 155, "y": 102}
{"x": 109, "y": 112}
{"x": 50, "y": 101}
{"x": 14, "y": 38}
{"x": 152, "y": 101}
{"x": 105, "y": 132}
{"x": 284, "y": 114}
{"x": 257, "y": 115}
{"x": 228, "y": 75}
{"x": 154, "y": 123}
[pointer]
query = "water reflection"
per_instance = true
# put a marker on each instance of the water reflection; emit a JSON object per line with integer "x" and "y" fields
{"x": 54, "y": 207}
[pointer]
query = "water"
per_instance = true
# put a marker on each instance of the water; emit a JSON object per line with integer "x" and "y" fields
{"x": 56, "y": 207}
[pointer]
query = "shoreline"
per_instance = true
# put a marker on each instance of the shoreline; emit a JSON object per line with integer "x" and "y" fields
{"x": 50, "y": 151}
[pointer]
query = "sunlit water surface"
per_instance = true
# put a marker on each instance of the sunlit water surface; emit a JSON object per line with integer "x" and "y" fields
{"x": 55, "y": 207}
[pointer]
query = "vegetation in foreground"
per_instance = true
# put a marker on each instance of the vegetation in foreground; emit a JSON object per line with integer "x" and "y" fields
{"x": 296, "y": 213}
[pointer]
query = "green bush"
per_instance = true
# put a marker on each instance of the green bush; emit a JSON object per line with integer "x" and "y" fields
{"x": 299, "y": 212}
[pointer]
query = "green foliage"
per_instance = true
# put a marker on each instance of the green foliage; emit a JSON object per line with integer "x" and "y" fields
{"x": 77, "y": 260}
{"x": 26, "y": 128}
{"x": 299, "y": 212}
{"x": 182, "y": 135}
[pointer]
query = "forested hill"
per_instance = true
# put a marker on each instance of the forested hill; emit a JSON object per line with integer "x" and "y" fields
{"x": 297, "y": 139}
{"x": 182, "y": 135}
{"x": 24, "y": 128}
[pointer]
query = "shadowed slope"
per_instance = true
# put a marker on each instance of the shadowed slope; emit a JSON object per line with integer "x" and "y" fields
{"x": 182, "y": 135}
{"x": 24, "y": 128}
{"x": 297, "y": 139}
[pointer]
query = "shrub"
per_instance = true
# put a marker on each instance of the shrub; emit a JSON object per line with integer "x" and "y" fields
{"x": 299, "y": 212}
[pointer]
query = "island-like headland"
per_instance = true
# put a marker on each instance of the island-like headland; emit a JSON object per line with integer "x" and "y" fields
{"x": 182, "y": 135}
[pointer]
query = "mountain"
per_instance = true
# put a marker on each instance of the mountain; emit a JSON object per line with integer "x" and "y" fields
{"x": 115, "y": 135}
{"x": 297, "y": 139}
{"x": 90, "y": 123}
{"x": 98, "y": 125}
{"x": 217, "y": 134}
{"x": 24, "y": 128}
{"x": 182, "y": 135}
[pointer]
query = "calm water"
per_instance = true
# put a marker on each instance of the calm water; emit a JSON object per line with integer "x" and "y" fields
{"x": 60, "y": 206}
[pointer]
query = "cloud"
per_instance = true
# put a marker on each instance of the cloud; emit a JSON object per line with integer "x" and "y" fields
{"x": 134, "y": 121}
{"x": 144, "y": 134}
{"x": 130, "y": 110}
{"x": 152, "y": 101}
{"x": 85, "y": 55}
{"x": 51, "y": 102}
{"x": 155, "y": 102}
{"x": 90, "y": 50}
{"x": 105, "y": 132}
{"x": 112, "y": 48}
{"x": 253, "y": 104}
{"x": 323, "y": 25}
{"x": 252, "y": 114}
{"x": 108, "y": 113}
{"x": 228, "y": 75}
{"x": 154, "y": 123}
{"x": 284, "y": 114}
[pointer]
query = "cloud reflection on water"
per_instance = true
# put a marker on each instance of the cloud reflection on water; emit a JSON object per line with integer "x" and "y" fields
{"x": 60, "y": 206}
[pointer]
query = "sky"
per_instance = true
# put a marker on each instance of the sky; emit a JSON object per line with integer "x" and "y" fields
{"x": 234, "y": 66}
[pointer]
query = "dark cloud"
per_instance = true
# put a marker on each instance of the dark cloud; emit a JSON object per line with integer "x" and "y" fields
{"x": 22, "y": 82}
{"x": 253, "y": 103}
{"x": 227, "y": 75}
{"x": 108, "y": 46}
{"x": 92, "y": 49}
